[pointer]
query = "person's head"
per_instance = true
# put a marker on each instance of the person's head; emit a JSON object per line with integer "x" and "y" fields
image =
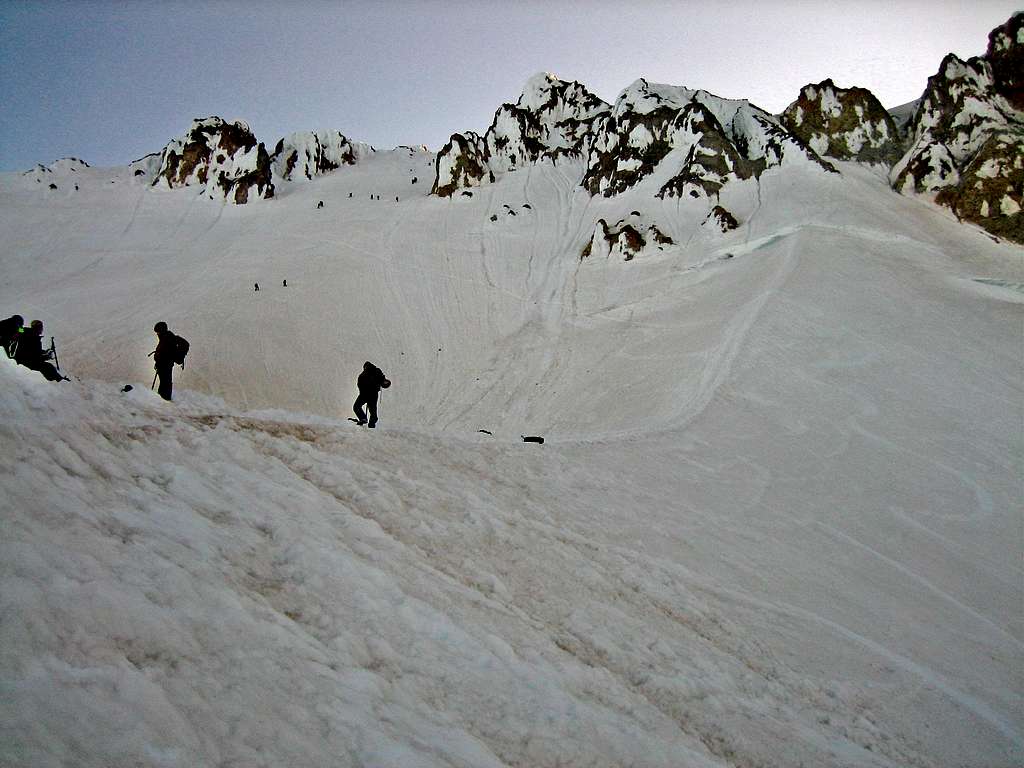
{"x": 160, "y": 327}
{"x": 18, "y": 320}
{"x": 37, "y": 327}
{"x": 367, "y": 365}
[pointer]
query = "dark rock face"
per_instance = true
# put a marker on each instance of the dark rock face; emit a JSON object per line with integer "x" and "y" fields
{"x": 223, "y": 158}
{"x": 844, "y": 123}
{"x": 968, "y": 136}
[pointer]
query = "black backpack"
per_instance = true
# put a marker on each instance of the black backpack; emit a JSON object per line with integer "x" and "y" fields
{"x": 180, "y": 350}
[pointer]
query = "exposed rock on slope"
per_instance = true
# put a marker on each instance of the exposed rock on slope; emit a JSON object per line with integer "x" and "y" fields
{"x": 223, "y": 158}
{"x": 624, "y": 240}
{"x": 552, "y": 118}
{"x": 722, "y": 218}
{"x": 968, "y": 136}
{"x": 844, "y": 123}
{"x": 311, "y": 153}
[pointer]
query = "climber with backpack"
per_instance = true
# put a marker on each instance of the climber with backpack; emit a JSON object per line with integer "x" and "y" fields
{"x": 170, "y": 350}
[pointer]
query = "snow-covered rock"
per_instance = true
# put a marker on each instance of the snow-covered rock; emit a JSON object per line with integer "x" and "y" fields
{"x": 222, "y": 158}
{"x": 844, "y": 123}
{"x": 306, "y": 154}
{"x": 968, "y": 136}
{"x": 551, "y": 118}
{"x": 710, "y": 139}
{"x": 461, "y": 163}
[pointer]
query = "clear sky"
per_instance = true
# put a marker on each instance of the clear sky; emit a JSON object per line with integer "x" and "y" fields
{"x": 111, "y": 81}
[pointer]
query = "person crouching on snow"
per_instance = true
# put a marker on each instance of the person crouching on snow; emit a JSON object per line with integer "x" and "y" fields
{"x": 30, "y": 352}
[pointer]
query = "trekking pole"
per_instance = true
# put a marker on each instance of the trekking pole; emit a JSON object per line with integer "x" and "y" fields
{"x": 53, "y": 349}
{"x": 153, "y": 384}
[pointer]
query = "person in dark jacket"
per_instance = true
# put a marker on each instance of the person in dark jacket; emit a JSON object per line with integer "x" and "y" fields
{"x": 9, "y": 331}
{"x": 30, "y": 352}
{"x": 163, "y": 358}
{"x": 370, "y": 382}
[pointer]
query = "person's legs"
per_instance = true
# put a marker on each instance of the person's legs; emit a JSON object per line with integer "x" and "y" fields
{"x": 164, "y": 389}
{"x": 51, "y": 373}
{"x": 357, "y": 406}
{"x": 371, "y": 406}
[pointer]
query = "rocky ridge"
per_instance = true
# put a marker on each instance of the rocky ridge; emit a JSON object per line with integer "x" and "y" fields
{"x": 967, "y": 143}
{"x": 702, "y": 141}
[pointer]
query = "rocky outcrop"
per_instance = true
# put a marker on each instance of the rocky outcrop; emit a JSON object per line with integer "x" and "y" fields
{"x": 551, "y": 119}
{"x": 699, "y": 140}
{"x": 968, "y": 136}
{"x": 844, "y": 123}
{"x": 307, "y": 154}
{"x": 625, "y": 240}
{"x": 223, "y": 159}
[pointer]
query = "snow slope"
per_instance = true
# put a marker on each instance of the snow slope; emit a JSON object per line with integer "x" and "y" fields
{"x": 777, "y": 519}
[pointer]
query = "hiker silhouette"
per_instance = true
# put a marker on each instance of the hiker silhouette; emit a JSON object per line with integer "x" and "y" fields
{"x": 170, "y": 349}
{"x": 370, "y": 383}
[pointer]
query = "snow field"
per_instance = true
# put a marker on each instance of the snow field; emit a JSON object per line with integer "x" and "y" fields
{"x": 777, "y": 519}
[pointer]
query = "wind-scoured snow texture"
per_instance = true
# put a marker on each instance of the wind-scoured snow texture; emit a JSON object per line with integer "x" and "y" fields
{"x": 551, "y": 119}
{"x": 222, "y": 158}
{"x": 306, "y": 154}
{"x": 844, "y": 123}
{"x": 624, "y": 240}
{"x": 968, "y": 136}
{"x": 707, "y": 140}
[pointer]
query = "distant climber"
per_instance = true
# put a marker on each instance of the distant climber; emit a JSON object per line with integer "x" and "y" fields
{"x": 370, "y": 383}
{"x": 256, "y": 287}
{"x": 320, "y": 205}
{"x": 284, "y": 283}
{"x": 170, "y": 349}
{"x": 30, "y": 352}
{"x": 9, "y": 330}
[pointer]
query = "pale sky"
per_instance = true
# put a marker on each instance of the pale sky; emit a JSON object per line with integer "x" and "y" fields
{"x": 109, "y": 82}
